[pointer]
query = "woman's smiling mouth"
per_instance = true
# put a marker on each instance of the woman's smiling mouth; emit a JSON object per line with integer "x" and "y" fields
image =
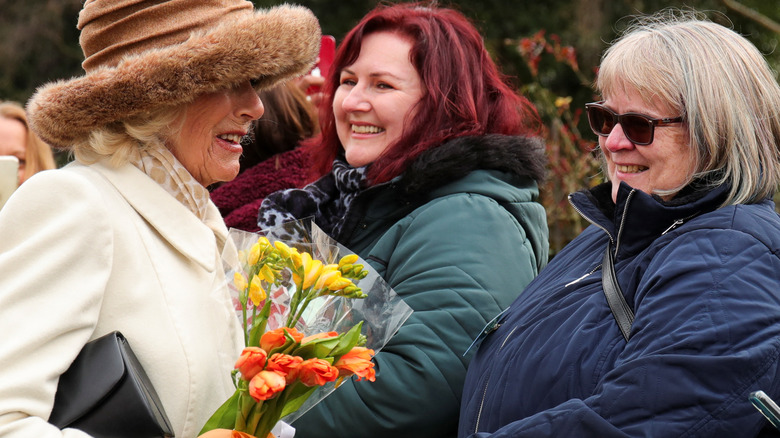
{"x": 233, "y": 138}
{"x": 366, "y": 129}
{"x": 630, "y": 169}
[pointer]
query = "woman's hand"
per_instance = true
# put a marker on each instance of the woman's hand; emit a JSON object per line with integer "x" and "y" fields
{"x": 311, "y": 85}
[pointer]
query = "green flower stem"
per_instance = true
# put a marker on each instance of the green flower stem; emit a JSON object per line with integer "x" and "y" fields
{"x": 243, "y": 316}
{"x": 296, "y": 314}
{"x": 267, "y": 419}
{"x": 245, "y": 406}
{"x": 294, "y": 303}
{"x": 260, "y": 410}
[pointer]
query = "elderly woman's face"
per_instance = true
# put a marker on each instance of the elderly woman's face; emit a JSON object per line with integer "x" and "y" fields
{"x": 209, "y": 144}
{"x": 664, "y": 164}
{"x": 375, "y": 96}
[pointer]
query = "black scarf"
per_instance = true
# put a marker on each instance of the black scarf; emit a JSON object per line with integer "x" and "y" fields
{"x": 326, "y": 199}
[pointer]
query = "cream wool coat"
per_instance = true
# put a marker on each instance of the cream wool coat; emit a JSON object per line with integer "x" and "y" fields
{"x": 85, "y": 250}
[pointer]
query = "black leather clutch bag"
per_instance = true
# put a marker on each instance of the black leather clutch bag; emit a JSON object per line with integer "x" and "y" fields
{"x": 107, "y": 394}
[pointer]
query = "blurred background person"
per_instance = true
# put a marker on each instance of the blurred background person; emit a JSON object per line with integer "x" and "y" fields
{"x": 17, "y": 140}
{"x": 689, "y": 132}
{"x": 288, "y": 119}
{"x": 272, "y": 159}
{"x": 429, "y": 170}
{"x": 125, "y": 238}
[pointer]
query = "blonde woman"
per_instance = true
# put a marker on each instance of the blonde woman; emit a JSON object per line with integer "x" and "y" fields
{"x": 17, "y": 140}
{"x": 689, "y": 130}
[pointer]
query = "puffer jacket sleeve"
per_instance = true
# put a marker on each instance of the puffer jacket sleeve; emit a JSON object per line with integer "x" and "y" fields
{"x": 706, "y": 334}
{"x": 457, "y": 262}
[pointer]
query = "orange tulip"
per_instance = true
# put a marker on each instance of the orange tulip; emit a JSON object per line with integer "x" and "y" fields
{"x": 275, "y": 338}
{"x": 251, "y": 362}
{"x": 357, "y": 362}
{"x": 266, "y": 384}
{"x": 284, "y": 364}
{"x": 315, "y": 372}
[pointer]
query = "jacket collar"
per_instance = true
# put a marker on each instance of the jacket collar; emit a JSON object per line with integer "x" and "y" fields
{"x": 175, "y": 223}
{"x": 636, "y": 219}
{"x": 520, "y": 156}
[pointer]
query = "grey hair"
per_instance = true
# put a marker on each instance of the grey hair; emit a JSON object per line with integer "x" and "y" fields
{"x": 722, "y": 86}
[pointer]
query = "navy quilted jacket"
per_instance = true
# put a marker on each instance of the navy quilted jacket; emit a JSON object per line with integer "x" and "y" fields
{"x": 704, "y": 284}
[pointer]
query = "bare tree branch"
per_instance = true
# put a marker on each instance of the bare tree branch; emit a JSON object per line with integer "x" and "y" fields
{"x": 752, "y": 14}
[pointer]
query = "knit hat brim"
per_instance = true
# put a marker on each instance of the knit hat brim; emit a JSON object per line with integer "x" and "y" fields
{"x": 264, "y": 46}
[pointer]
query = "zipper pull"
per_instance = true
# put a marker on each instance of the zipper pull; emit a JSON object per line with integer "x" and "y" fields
{"x": 581, "y": 278}
{"x": 673, "y": 226}
{"x": 489, "y": 328}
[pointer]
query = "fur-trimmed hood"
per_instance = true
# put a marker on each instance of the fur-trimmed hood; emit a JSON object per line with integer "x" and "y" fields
{"x": 521, "y": 156}
{"x": 266, "y": 46}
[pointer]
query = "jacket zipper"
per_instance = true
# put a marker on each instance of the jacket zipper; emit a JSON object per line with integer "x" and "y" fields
{"x": 587, "y": 218}
{"x": 487, "y": 382}
{"x": 623, "y": 221}
{"x": 676, "y": 223}
{"x": 679, "y": 222}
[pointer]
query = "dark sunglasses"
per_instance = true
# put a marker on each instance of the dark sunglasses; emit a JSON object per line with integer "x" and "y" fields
{"x": 639, "y": 128}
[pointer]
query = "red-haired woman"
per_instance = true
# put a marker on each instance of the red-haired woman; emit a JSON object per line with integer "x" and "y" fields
{"x": 430, "y": 174}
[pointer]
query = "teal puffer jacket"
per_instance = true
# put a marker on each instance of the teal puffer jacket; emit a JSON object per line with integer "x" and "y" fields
{"x": 458, "y": 236}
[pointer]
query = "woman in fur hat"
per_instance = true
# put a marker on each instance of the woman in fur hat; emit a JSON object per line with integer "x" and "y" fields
{"x": 126, "y": 237}
{"x": 433, "y": 182}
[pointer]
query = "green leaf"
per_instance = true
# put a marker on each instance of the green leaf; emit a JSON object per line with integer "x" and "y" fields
{"x": 317, "y": 348}
{"x": 348, "y": 340}
{"x": 224, "y": 417}
{"x": 295, "y": 398}
{"x": 259, "y": 329}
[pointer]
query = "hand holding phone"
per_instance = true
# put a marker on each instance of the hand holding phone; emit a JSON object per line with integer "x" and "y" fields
{"x": 324, "y": 61}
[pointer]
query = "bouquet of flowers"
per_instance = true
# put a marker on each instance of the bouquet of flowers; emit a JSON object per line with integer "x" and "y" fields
{"x": 297, "y": 294}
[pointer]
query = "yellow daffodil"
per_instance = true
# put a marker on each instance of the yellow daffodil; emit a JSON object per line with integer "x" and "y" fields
{"x": 283, "y": 249}
{"x": 264, "y": 243}
{"x": 327, "y": 278}
{"x": 296, "y": 258}
{"x": 348, "y": 260}
{"x": 254, "y": 254}
{"x": 256, "y": 292}
{"x": 339, "y": 284}
{"x": 240, "y": 281}
{"x": 268, "y": 274}
{"x": 311, "y": 270}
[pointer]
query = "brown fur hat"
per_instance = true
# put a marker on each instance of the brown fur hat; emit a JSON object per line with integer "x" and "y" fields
{"x": 143, "y": 54}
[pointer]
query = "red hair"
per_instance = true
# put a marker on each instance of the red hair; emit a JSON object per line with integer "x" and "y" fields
{"x": 464, "y": 92}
